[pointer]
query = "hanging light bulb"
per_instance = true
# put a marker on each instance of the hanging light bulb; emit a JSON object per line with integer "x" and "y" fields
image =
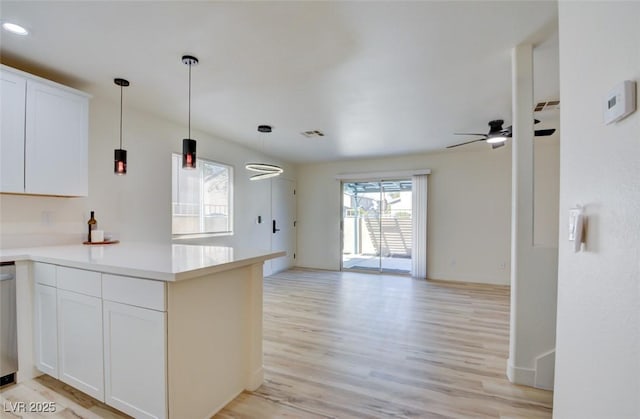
{"x": 120, "y": 155}
{"x": 189, "y": 144}
{"x": 264, "y": 170}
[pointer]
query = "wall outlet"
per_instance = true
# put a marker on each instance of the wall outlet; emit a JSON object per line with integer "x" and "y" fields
{"x": 46, "y": 218}
{"x": 503, "y": 265}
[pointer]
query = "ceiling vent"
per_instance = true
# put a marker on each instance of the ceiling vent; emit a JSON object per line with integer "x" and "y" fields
{"x": 313, "y": 133}
{"x": 551, "y": 105}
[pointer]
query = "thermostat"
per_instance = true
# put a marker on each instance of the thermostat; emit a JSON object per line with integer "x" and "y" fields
{"x": 620, "y": 102}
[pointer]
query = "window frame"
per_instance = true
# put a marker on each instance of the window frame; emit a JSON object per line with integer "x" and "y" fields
{"x": 231, "y": 206}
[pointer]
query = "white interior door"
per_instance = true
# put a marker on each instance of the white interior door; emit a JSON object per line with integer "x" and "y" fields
{"x": 283, "y": 220}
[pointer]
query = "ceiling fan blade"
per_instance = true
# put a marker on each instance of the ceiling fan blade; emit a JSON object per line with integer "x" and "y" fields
{"x": 510, "y": 127}
{"x": 468, "y": 142}
{"x": 544, "y": 132}
{"x": 468, "y": 133}
{"x": 497, "y": 145}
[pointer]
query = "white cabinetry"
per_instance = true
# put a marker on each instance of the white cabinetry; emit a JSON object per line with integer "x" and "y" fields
{"x": 12, "y": 110}
{"x": 135, "y": 346}
{"x": 104, "y": 335}
{"x": 44, "y": 136}
{"x": 80, "y": 341}
{"x": 46, "y": 336}
{"x": 135, "y": 359}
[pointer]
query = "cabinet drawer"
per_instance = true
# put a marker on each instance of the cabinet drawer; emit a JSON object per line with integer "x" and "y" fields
{"x": 80, "y": 281}
{"x": 44, "y": 273}
{"x": 134, "y": 291}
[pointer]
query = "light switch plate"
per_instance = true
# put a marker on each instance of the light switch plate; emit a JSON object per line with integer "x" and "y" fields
{"x": 620, "y": 102}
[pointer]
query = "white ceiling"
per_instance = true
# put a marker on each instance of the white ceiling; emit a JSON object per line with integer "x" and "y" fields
{"x": 379, "y": 78}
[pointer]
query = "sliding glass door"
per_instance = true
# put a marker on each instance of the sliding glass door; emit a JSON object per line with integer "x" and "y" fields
{"x": 376, "y": 226}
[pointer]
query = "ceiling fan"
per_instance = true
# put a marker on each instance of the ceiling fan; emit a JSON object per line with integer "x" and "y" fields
{"x": 498, "y": 135}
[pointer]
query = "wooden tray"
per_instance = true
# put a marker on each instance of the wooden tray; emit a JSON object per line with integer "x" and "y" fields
{"x": 100, "y": 243}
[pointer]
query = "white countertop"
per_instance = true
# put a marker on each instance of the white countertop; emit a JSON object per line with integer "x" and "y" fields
{"x": 164, "y": 262}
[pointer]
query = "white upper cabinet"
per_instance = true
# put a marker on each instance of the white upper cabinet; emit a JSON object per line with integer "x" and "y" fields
{"x": 52, "y": 158}
{"x": 12, "y": 108}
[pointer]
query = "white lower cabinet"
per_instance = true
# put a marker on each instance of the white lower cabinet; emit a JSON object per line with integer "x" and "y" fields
{"x": 135, "y": 360}
{"x": 80, "y": 346}
{"x": 45, "y": 327}
{"x": 104, "y": 335}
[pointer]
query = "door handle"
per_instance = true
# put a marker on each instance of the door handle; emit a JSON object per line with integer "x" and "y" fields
{"x": 275, "y": 230}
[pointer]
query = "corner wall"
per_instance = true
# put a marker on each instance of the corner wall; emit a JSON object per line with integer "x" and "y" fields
{"x": 598, "y": 326}
{"x": 469, "y": 219}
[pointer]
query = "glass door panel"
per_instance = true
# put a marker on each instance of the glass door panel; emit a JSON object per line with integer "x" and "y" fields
{"x": 376, "y": 226}
{"x": 396, "y": 227}
{"x": 360, "y": 226}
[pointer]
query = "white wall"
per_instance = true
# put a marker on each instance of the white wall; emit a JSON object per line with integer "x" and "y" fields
{"x": 469, "y": 216}
{"x": 598, "y": 326}
{"x": 137, "y": 207}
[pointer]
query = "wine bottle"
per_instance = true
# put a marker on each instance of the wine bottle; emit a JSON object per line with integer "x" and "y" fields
{"x": 93, "y": 224}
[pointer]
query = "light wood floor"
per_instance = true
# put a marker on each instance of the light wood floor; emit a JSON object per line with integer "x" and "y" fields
{"x": 350, "y": 345}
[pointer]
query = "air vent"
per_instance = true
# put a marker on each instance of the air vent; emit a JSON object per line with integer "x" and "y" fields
{"x": 551, "y": 105}
{"x": 313, "y": 133}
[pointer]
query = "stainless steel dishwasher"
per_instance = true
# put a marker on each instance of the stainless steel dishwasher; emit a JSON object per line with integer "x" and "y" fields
{"x": 8, "y": 324}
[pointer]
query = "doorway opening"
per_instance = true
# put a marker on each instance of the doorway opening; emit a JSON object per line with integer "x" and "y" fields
{"x": 377, "y": 226}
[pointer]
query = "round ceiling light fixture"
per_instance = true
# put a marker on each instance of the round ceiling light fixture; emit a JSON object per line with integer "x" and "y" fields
{"x": 264, "y": 170}
{"x": 15, "y": 28}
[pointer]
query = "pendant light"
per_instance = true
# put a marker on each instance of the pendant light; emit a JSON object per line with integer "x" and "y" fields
{"x": 120, "y": 155}
{"x": 189, "y": 144}
{"x": 263, "y": 170}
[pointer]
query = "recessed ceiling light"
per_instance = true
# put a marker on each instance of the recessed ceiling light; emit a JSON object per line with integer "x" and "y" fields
{"x": 14, "y": 28}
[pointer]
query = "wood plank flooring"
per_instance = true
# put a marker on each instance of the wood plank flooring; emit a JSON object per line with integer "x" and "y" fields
{"x": 351, "y": 345}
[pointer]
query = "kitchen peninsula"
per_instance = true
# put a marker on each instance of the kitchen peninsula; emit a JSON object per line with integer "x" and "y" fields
{"x": 157, "y": 331}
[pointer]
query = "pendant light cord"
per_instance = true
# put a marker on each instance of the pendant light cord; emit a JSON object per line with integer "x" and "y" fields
{"x": 121, "y": 90}
{"x": 189, "y": 99}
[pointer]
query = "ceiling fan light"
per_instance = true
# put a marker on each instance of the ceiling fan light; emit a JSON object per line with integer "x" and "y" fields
{"x": 496, "y": 139}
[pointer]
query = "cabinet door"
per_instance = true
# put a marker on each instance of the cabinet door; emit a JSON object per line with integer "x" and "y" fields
{"x": 12, "y": 108}
{"x": 45, "y": 330}
{"x": 135, "y": 360}
{"x": 80, "y": 342}
{"x": 56, "y": 141}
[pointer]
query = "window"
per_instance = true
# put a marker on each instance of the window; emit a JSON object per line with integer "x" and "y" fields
{"x": 202, "y": 199}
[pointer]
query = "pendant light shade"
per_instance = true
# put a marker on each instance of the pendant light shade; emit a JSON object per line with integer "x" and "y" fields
{"x": 120, "y": 155}
{"x": 120, "y": 161}
{"x": 189, "y": 144}
{"x": 188, "y": 153}
{"x": 263, "y": 170}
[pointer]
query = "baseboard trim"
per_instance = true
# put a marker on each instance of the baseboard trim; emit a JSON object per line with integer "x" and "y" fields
{"x": 255, "y": 379}
{"x": 542, "y": 376}
{"x": 476, "y": 279}
{"x": 545, "y": 370}
{"x": 519, "y": 375}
